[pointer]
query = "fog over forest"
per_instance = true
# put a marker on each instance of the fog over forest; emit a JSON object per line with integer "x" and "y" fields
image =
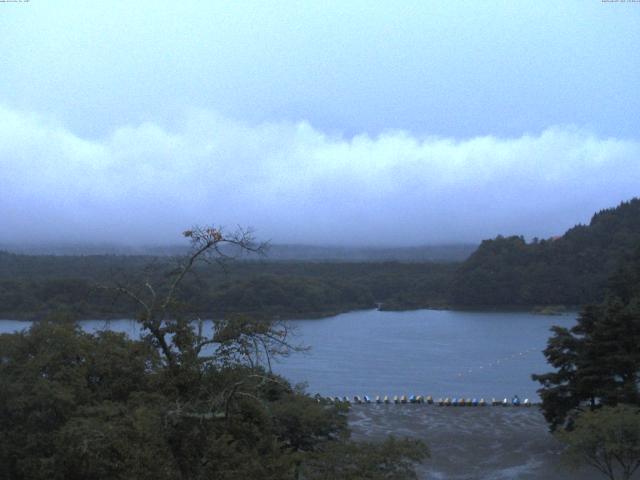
{"x": 434, "y": 204}
{"x": 145, "y": 183}
{"x": 323, "y": 124}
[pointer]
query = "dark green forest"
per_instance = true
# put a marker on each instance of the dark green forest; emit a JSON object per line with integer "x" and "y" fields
{"x": 32, "y": 286}
{"x": 506, "y": 272}
{"x": 76, "y": 405}
{"x": 80, "y": 405}
{"x": 597, "y": 361}
{"x": 569, "y": 270}
{"x": 591, "y": 399}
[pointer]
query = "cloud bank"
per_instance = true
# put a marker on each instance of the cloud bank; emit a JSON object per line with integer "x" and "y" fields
{"x": 293, "y": 183}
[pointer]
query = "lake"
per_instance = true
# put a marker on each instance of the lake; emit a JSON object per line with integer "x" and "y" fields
{"x": 431, "y": 352}
{"x": 423, "y": 352}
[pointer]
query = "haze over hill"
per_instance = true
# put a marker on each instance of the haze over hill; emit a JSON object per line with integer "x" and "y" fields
{"x": 425, "y": 253}
{"x": 310, "y": 131}
{"x": 505, "y": 272}
{"x": 375, "y": 146}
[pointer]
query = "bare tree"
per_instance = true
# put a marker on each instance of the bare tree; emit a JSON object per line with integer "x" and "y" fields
{"x": 180, "y": 339}
{"x": 187, "y": 349}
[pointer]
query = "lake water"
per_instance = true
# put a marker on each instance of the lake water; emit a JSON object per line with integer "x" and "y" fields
{"x": 424, "y": 352}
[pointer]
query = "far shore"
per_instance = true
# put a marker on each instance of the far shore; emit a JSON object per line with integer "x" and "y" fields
{"x": 549, "y": 310}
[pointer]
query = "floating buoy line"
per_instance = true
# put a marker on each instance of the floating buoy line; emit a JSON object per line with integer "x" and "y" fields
{"x": 495, "y": 363}
{"x": 428, "y": 400}
{"x": 443, "y": 401}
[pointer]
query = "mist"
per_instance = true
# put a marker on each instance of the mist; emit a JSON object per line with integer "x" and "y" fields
{"x": 323, "y": 124}
{"x": 293, "y": 183}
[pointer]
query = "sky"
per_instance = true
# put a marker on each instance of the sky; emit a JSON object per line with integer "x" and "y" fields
{"x": 342, "y": 123}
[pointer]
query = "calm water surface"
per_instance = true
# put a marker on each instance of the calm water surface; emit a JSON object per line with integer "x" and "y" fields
{"x": 427, "y": 352}
{"x": 422, "y": 352}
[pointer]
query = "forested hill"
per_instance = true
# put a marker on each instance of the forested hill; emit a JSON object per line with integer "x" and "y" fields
{"x": 33, "y": 286}
{"x": 504, "y": 272}
{"x": 569, "y": 270}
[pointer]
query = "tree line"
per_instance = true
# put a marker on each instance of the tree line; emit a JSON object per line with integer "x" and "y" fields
{"x": 33, "y": 286}
{"x": 570, "y": 270}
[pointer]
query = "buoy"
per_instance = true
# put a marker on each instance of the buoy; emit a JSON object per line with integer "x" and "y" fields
{"x": 429, "y": 400}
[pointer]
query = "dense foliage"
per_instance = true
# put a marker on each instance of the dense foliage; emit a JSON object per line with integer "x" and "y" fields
{"x": 32, "y": 286}
{"x": 177, "y": 404}
{"x": 607, "y": 439}
{"x": 75, "y": 405}
{"x": 505, "y": 272}
{"x": 568, "y": 270}
{"x": 597, "y": 361}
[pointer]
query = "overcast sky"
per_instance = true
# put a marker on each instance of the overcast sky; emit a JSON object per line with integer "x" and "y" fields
{"x": 377, "y": 123}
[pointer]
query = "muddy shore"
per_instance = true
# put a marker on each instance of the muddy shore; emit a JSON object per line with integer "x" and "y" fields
{"x": 492, "y": 443}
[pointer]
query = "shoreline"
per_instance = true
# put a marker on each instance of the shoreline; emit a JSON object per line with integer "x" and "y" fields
{"x": 314, "y": 315}
{"x": 487, "y": 443}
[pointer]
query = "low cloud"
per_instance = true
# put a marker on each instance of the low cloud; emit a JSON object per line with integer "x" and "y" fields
{"x": 292, "y": 183}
